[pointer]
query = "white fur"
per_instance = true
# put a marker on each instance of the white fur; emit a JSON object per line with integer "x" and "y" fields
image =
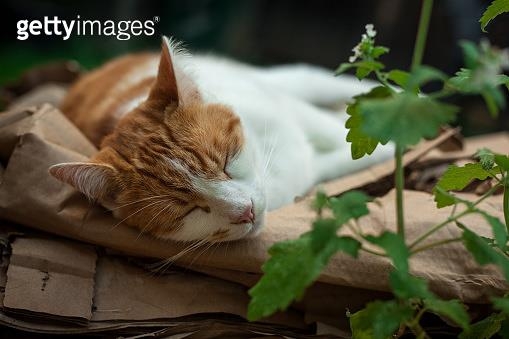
{"x": 290, "y": 143}
{"x": 306, "y": 143}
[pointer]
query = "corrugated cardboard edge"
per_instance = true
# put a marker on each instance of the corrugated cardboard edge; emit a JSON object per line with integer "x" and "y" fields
{"x": 51, "y": 278}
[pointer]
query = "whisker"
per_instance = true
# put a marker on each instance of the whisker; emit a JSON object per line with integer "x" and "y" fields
{"x": 205, "y": 249}
{"x": 148, "y": 224}
{"x": 268, "y": 162}
{"x": 169, "y": 261}
{"x": 158, "y": 266}
{"x": 264, "y": 149}
{"x": 139, "y": 210}
{"x": 214, "y": 248}
{"x": 144, "y": 199}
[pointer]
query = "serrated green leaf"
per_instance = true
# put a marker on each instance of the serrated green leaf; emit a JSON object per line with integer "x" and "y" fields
{"x": 502, "y": 161}
{"x": 395, "y": 247}
{"x": 379, "y": 51}
{"x": 486, "y": 158}
{"x": 399, "y": 77}
{"x": 483, "y": 253}
{"x": 347, "y": 245}
{"x": 324, "y": 234}
{"x": 379, "y": 320}
{"x": 406, "y": 286}
{"x": 451, "y": 309}
{"x": 404, "y": 118}
{"x": 323, "y": 230}
{"x": 350, "y": 205}
{"x": 483, "y": 329}
{"x": 423, "y": 75}
{"x": 481, "y": 77}
{"x": 465, "y": 82}
{"x": 496, "y": 8}
{"x": 361, "y": 144}
{"x": 455, "y": 179}
{"x": 443, "y": 198}
{"x": 363, "y": 68}
{"x": 462, "y": 81}
{"x": 292, "y": 267}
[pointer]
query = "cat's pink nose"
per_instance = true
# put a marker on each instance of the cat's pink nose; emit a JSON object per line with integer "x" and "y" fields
{"x": 247, "y": 216}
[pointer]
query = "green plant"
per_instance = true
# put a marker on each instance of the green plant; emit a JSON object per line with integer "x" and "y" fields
{"x": 403, "y": 116}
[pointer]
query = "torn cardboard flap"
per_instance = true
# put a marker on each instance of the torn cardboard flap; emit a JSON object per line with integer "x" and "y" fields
{"x": 51, "y": 277}
{"x": 30, "y": 196}
{"x": 497, "y": 142}
{"x": 45, "y": 122}
{"x": 58, "y": 279}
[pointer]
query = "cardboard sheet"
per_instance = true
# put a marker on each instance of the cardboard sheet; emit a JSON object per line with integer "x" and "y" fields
{"x": 30, "y": 196}
{"x": 51, "y": 277}
{"x": 124, "y": 296}
{"x": 56, "y": 280}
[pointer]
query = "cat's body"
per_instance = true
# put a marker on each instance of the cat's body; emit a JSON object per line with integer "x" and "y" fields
{"x": 224, "y": 142}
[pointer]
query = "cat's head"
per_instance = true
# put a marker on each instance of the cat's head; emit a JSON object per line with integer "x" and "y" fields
{"x": 175, "y": 167}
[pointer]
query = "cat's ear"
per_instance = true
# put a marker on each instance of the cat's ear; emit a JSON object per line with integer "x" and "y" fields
{"x": 165, "y": 90}
{"x": 172, "y": 86}
{"x": 96, "y": 181}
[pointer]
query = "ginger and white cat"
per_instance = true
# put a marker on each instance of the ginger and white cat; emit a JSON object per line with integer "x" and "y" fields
{"x": 199, "y": 148}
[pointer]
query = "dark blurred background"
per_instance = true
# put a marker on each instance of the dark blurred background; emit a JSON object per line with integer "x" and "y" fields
{"x": 262, "y": 32}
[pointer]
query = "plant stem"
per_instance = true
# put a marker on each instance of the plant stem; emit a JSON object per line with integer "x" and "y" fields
{"x": 400, "y": 183}
{"x": 422, "y": 32}
{"x": 416, "y": 327}
{"x": 506, "y": 202}
{"x": 359, "y": 234}
{"x": 420, "y": 43}
{"x": 419, "y": 331}
{"x": 435, "y": 244}
{"x": 439, "y": 226}
{"x": 470, "y": 209}
{"x": 367, "y": 250}
{"x": 383, "y": 81}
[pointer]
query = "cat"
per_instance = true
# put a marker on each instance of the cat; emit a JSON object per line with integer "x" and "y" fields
{"x": 200, "y": 148}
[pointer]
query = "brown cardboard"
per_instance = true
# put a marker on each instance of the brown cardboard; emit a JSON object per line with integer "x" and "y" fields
{"x": 33, "y": 139}
{"x": 51, "y": 277}
{"x": 497, "y": 142}
{"x": 57, "y": 279}
{"x": 48, "y": 93}
{"x": 31, "y": 197}
{"x": 125, "y": 292}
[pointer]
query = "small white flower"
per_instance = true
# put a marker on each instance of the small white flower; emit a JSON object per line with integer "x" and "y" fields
{"x": 356, "y": 53}
{"x": 370, "y": 30}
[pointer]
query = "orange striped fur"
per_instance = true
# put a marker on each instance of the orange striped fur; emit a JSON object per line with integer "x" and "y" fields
{"x": 131, "y": 174}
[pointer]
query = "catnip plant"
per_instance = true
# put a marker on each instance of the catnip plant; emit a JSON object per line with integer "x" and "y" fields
{"x": 397, "y": 111}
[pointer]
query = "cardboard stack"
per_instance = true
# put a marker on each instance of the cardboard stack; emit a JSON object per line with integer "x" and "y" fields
{"x": 67, "y": 267}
